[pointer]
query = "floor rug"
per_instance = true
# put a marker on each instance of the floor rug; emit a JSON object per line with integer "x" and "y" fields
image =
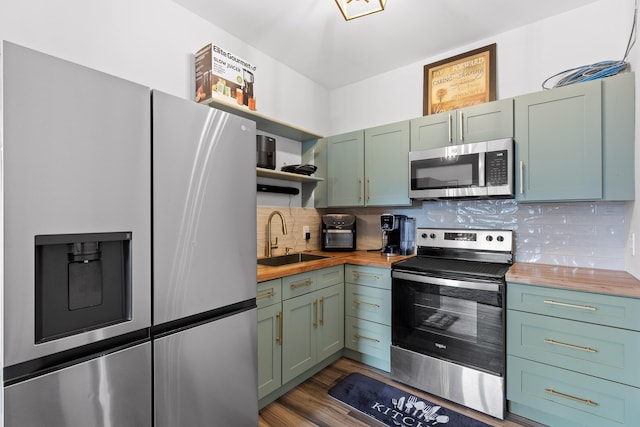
{"x": 394, "y": 407}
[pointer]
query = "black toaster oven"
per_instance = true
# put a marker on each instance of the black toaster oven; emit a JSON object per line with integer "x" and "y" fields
{"x": 338, "y": 232}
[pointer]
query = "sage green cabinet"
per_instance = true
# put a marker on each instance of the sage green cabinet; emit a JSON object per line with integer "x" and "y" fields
{"x": 369, "y": 168}
{"x": 269, "y": 337}
{"x": 571, "y": 356}
{"x": 313, "y": 319}
{"x": 484, "y": 122}
{"x": 576, "y": 142}
{"x": 368, "y": 314}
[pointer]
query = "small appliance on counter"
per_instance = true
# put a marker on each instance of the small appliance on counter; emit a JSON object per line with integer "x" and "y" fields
{"x": 398, "y": 234}
{"x": 338, "y": 232}
{"x": 265, "y": 152}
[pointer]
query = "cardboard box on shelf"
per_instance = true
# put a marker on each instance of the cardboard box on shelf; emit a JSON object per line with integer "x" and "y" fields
{"x": 218, "y": 70}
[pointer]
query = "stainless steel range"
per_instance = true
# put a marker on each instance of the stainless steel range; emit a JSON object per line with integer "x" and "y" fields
{"x": 448, "y": 316}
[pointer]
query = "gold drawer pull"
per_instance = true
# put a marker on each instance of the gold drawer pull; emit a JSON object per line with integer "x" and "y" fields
{"x": 358, "y": 275}
{"x": 307, "y": 282}
{"x": 266, "y": 295}
{"x": 357, "y": 301}
{"x": 315, "y": 308}
{"x": 360, "y": 337}
{"x": 568, "y": 396}
{"x": 564, "y": 304}
{"x": 279, "y": 337}
{"x": 575, "y": 347}
{"x": 322, "y": 310}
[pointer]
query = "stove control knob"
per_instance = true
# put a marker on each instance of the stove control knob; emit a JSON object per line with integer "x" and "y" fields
{"x": 489, "y": 238}
{"x": 433, "y": 235}
{"x": 500, "y": 239}
{"x": 424, "y": 235}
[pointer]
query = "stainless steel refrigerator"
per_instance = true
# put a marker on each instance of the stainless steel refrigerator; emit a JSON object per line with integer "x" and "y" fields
{"x": 204, "y": 273}
{"x": 76, "y": 174}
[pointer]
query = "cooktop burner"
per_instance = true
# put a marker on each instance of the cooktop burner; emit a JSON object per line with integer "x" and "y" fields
{"x": 450, "y": 267}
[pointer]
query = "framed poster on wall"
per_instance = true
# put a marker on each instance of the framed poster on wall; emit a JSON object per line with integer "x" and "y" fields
{"x": 460, "y": 81}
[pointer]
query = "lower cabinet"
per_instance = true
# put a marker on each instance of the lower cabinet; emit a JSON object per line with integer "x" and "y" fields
{"x": 300, "y": 324}
{"x": 269, "y": 299}
{"x": 368, "y": 315}
{"x": 572, "y": 357}
{"x": 313, "y": 326}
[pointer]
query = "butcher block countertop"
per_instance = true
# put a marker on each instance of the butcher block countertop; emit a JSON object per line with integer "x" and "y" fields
{"x": 612, "y": 282}
{"x": 373, "y": 259}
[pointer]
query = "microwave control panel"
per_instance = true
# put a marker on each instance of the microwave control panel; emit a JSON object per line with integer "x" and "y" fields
{"x": 497, "y": 164}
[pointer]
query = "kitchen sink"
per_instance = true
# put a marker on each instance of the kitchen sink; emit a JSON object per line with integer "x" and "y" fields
{"x": 276, "y": 261}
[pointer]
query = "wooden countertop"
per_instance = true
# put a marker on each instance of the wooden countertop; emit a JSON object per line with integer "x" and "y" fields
{"x": 612, "y": 282}
{"x": 374, "y": 259}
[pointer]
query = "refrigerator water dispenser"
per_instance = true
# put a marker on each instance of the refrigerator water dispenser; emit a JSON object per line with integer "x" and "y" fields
{"x": 83, "y": 282}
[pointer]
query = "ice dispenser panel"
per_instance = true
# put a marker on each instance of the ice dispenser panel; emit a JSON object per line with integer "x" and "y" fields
{"x": 83, "y": 282}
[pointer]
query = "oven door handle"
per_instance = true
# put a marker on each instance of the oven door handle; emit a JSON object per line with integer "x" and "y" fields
{"x": 493, "y": 287}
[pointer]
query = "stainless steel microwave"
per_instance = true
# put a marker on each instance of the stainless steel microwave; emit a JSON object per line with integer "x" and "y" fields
{"x": 479, "y": 170}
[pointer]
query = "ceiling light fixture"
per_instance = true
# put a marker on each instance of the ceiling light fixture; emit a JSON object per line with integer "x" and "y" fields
{"x": 352, "y": 9}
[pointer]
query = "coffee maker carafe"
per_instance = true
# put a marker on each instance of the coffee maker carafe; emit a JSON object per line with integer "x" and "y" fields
{"x": 398, "y": 234}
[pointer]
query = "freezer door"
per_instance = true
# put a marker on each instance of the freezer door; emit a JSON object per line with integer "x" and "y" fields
{"x": 76, "y": 160}
{"x": 207, "y": 375}
{"x": 112, "y": 390}
{"x": 204, "y": 208}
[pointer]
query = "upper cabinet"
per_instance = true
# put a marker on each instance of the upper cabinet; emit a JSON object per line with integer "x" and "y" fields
{"x": 368, "y": 168}
{"x": 576, "y": 142}
{"x": 484, "y": 122}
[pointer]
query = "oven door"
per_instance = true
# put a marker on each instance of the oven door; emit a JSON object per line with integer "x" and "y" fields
{"x": 457, "y": 320}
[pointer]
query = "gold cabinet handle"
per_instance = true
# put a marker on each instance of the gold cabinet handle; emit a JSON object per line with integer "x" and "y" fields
{"x": 367, "y": 189}
{"x": 359, "y": 189}
{"x": 357, "y": 301}
{"x": 266, "y": 295}
{"x": 315, "y": 308}
{"x": 575, "y": 347}
{"x": 307, "y": 282}
{"x": 461, "y": 127}
{"x": 587, "y": 402}
{"x": 279, "y": 336}
{"x": 521, "y": 177}
{"x": 450, "y": 127}
{"x": 564, "y": 304}
{"x": 358, "y": 275}
{"x": 322, "y": 310}
{"x": 361, "y": 337}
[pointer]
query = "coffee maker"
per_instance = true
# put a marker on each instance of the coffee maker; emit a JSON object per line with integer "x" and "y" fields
{"x": 398, "y": 234}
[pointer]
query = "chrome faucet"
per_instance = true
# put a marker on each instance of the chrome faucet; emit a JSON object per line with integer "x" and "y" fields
{"x": 270, "y": 246}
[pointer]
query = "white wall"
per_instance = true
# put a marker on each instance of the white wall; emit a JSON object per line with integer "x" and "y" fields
{"x": 152, "y": 42}
{"x": 525, "y": 58}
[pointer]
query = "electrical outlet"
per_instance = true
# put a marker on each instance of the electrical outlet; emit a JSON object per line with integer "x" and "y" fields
{"x": 305, "y": 232}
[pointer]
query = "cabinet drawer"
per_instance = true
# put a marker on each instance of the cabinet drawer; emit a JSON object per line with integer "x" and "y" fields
{"x": 368, "y": 303}
{"x": 582, "y": 399}
{"x": 602, "y": 351}
{"x": 299, "y": 284}
{"x": 330, "y": 276}
{"x": 367, "y": 337}
{"x": 601, "y": 309}
{"x": 369, "y": 276}
{"x": 269, "y": 293}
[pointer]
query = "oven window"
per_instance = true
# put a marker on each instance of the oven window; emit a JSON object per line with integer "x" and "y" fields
{"x": 461, "y": 171}
{"x": 465, "y": 326}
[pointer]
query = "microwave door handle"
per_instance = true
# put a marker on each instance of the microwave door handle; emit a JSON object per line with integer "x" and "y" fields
{"x": 481, "y": 170}
{"x": 461, "y": 127}
{"x": 450, "y": 126}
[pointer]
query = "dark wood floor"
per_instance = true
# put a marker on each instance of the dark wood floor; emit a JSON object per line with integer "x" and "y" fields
{"x": 310, "y": 405}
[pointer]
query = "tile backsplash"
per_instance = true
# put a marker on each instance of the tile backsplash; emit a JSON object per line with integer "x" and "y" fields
{"x": 580, "y": 234}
